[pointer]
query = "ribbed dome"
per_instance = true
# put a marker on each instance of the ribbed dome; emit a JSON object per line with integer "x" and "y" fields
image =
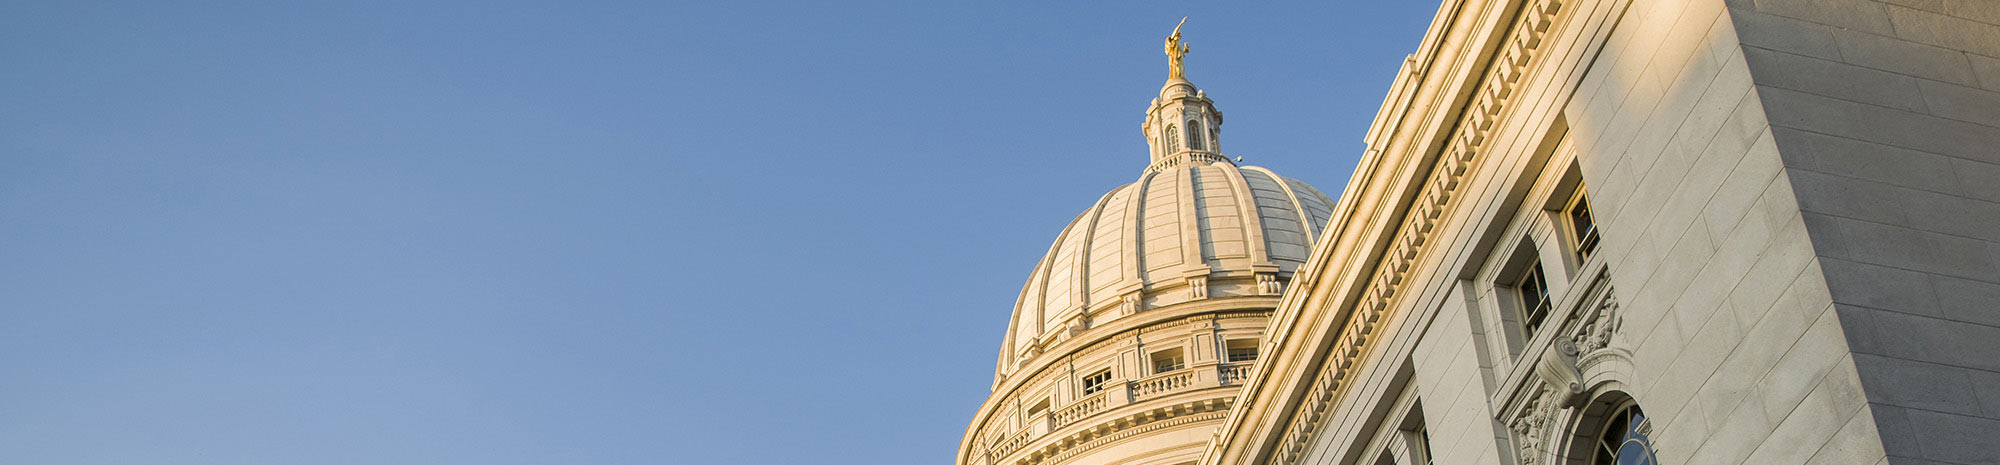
{"x": 1193, "y": 227}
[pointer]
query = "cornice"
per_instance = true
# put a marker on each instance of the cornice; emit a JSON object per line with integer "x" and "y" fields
{"x": 1406, "y": 183}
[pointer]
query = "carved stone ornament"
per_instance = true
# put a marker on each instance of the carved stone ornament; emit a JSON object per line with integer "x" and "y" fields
{"x": 1557, "y": 367}
{"x": 1601, "y": 325}
{"x": 1567, "y": 369}
{"x": 1267, "y": 284}
{"x": 1197, "y": 287}
{"x": 1530, "y": 426}
{"x": 1131, "y": 304}
{"x": 1078, "y": 324}
{"x": 1603, "y": 358}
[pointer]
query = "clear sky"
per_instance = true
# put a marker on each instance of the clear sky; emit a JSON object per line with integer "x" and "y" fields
{"x": 566, "y": 232}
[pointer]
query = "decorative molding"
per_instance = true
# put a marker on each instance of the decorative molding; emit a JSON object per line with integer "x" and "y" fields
{"x": 1450, "y": 172}
{"x": 1234, "y": 315}
{"x": 1268, "y": 284}
{"x": 1118, "y": 429}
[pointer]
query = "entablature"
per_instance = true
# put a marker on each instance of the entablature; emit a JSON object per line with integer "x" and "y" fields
{"x": 1386, "y": 221}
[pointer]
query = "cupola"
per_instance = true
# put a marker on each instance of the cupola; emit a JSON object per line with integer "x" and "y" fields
{"x": 1182, "y": 123}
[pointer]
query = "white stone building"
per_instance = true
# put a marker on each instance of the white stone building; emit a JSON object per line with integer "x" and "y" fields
{"x": 1584, "y": 231}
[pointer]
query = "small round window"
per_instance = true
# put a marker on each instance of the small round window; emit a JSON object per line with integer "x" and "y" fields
{"x": 1624, "y": 440}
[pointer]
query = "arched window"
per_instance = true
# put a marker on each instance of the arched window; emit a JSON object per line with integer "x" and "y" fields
{"x": 1194, "y": 134}
{"x": 1173, "y": 139}
{"x": 1623, "y": 439}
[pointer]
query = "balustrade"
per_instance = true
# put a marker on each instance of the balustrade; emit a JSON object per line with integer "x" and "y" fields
{"x": 1078, "y": 410}
{"x": 1223, "y": 374}
{"x": 1162, "y": 384}
{"x": 1004, "y": 447}
{"x": 1233, "y": 373}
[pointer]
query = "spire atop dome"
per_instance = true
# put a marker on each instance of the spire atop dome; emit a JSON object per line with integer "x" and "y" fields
{"x": 1182, "y": 126}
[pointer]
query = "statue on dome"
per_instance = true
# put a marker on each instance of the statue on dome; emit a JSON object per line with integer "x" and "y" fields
{"x": 1175, "y": 51}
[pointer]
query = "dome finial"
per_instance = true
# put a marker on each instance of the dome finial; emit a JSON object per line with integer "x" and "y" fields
{"x": 1176, "y": 50}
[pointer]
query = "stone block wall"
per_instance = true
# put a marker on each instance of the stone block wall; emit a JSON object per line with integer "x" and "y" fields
{"x": 1739, "y": 353}
{"x": 1450, "y": 378}
{"x": 1887, "y": 118}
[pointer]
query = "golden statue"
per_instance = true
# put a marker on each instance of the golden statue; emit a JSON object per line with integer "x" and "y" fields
{"x": 1175, "y": 51}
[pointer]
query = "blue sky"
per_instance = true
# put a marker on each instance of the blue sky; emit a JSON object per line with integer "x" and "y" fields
{"x": 583, "y": 232}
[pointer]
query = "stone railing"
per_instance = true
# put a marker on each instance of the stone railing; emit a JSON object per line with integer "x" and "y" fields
{"x": 1114, "y": 396}
{"x": 1230, "y": 374}
{"x": 1078, "y": 410}
{"x": 1003, "y": 448}
{"x": 1186, "y": 157}
{"x": 1162, "y": 384}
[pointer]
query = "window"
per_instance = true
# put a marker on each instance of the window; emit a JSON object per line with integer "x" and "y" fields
{"x": 1168, "y": 360}
{"x": 1414, "y": 445}
{"x": 1194, "y": 135}
{"x": 1096, "y": 381}
{"x": 1423, "y": 437}
{"x": 1173, "y": 139}
{"x": 1582, "y": 226}
{"x": 1534, "y": 290}
{"x": 1039, "y": 408}
{"x": 1624, "y": 441}
{"x": 1242, "y": 350}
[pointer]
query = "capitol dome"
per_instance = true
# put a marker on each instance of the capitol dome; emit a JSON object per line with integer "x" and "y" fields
{"x": 1135, "y": 332}
{"x": 1195, "y": 226}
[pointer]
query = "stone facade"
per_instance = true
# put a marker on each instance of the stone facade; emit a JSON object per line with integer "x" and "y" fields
{"x": 1728, "y": 232}
{"x": 1886, "y": 116}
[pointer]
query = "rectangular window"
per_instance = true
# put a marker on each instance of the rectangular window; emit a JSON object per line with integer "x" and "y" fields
{"x": 1242, "y": 350}
{"x": 1582, "y": 226}
{"x": 1039, "y": 408}
{"x": 1534, "y": 290}
{"x": 1096, "y": 381}
{"x": 1168, "y": 360}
